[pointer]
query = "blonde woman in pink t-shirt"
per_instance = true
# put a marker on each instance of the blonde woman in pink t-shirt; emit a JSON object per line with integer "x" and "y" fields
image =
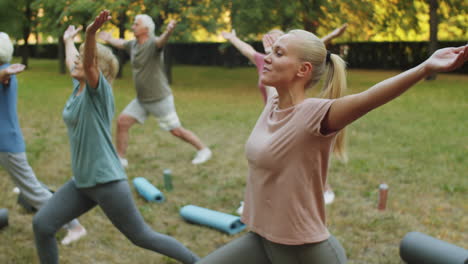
{"x": 258, "y": 59}
{"x": 289, "y": 149}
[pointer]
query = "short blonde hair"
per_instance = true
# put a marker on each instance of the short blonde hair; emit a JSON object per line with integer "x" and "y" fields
{"x": 106, "y": 60}
{"x": 6, "y": 48}
{"x": 275, "y": 31}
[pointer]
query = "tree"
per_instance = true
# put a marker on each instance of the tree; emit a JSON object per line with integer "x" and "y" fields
{"x": 58, "y": 14}
{"x": 191, "y": 15}
{"x": 433, "y": 24}
{"x": 18, "y": 20}
{"x": 251, "y": 17}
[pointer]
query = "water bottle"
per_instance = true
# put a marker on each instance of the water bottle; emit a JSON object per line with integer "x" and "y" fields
{"x": 167, "y": 173}
{"x": 383, "y": 193}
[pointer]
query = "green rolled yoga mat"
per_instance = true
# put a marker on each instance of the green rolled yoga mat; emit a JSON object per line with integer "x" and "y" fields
{"x": 3, "y": 218}
{"x": 419, "y": 248}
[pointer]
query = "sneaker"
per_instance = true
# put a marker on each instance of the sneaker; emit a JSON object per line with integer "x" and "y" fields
{"x": 73, "y": 235}
{"x": 202, "y": 156}
{"x": 240, "y": 210}
{"x": 329, "y": 196}
{"x": 124, "y": 162}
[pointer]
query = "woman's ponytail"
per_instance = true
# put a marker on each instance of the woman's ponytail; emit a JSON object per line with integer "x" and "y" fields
{"x": 334, "y": 86}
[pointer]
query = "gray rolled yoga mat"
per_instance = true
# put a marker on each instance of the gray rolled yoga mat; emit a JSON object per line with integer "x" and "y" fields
{"x": 3, "y": 218}
{"x": 419, "y": 248}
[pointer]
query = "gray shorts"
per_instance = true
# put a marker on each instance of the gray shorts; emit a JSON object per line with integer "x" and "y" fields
{"x": 163, "y": 110}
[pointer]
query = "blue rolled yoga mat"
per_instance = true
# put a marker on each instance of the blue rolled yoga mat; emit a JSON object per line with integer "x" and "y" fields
{"x": 224, "y": 222}
{"x": 417, "y": 248}
{"x": 3, "y": 218}
{"x": 147, "y": 190}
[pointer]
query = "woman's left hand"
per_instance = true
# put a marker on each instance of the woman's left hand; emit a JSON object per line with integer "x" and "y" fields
{"x": 14, "y": 68}
{"x": 447, "y": 59}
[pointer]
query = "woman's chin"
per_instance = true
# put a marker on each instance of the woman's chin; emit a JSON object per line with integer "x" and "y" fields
{"x": 265, "y": 82}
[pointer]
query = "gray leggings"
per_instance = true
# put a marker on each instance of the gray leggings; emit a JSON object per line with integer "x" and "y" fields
{"x": 115, "y": 199}
{"x": 254, "y": 249}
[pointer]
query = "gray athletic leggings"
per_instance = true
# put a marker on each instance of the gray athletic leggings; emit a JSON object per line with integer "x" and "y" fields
{"x": 254, "y": 249}
{"x": 115, "y": 199}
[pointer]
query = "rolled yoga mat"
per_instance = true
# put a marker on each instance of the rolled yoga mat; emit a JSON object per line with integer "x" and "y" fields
{"x": 417, "y": 248}
{"x": 3, "y": 218}
{"x": 224, "y": 222}
{"x": 147, "y": 190}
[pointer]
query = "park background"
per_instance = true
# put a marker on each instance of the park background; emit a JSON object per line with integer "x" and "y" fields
{"x": 417, "y": 144}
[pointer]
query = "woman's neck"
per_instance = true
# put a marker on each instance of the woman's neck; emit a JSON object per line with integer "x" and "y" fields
{"x": 81, "y": 88}
{"x": 290, "y": 96}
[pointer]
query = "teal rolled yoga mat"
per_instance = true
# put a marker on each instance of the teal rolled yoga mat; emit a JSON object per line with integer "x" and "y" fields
{"x": 147, "y": 190}
{"x": 224, "y": 222}
{"x": 417, "y": 248}
{"x": 3, "y": 218}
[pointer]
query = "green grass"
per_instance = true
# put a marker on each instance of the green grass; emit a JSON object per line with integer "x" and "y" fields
{"x": 418, "y": 144}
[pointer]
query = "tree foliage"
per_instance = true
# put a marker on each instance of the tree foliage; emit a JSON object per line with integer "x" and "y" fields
{"x": 368, "y": 19}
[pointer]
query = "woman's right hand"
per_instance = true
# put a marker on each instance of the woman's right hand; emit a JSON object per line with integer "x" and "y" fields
{"x": 71, "y": 32}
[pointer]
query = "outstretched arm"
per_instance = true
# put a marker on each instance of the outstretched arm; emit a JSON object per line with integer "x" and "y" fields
{"x": 162, "y": 40}
{"x": 334, "y": 34}
{"x": 107, "y": 37}
{"x": 244, "y": 48}
{"x": 71, "y": 53}
{"x": 349, "y": 108}
{"x": 10, "y": 70}
{"x": 90, "y": 58}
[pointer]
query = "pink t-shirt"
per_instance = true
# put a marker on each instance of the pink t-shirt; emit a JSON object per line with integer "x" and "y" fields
{"x": 259, "y": 62}
{"x": 288, "y": 161}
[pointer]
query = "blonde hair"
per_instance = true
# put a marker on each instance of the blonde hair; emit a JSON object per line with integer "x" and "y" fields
{"x": 313, "y": 50}
{"x": 275, "y": 31}
{"x": 106, "y": 60}
{"x": 6, "y": 48}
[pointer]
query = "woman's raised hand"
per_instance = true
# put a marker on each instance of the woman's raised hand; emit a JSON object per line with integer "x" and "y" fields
{"x": 229, "y": 35}
{"x": 71, "y": 32}
{"x": 102, "y": 18}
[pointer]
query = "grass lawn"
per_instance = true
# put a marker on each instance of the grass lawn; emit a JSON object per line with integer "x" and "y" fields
{"x": 417, "y": 144}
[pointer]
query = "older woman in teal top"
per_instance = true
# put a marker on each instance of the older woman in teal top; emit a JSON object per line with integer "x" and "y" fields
{"x": 99, "y": 179}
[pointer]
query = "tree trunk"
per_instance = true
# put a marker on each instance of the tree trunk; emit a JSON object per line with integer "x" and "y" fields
{"x": 26, "y": 33}
{"x": 433, "y": 23}
{"x": 61, "y": 55}
{"x": 168, "y": 62}
{"x": 121, "y": 53}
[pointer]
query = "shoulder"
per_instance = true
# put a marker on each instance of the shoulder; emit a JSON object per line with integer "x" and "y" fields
{"x": 102, "y": 85}
{"x": 316, "y": 105}
{"x": 317, "y": 102}
{"x": 129, "y": 43}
